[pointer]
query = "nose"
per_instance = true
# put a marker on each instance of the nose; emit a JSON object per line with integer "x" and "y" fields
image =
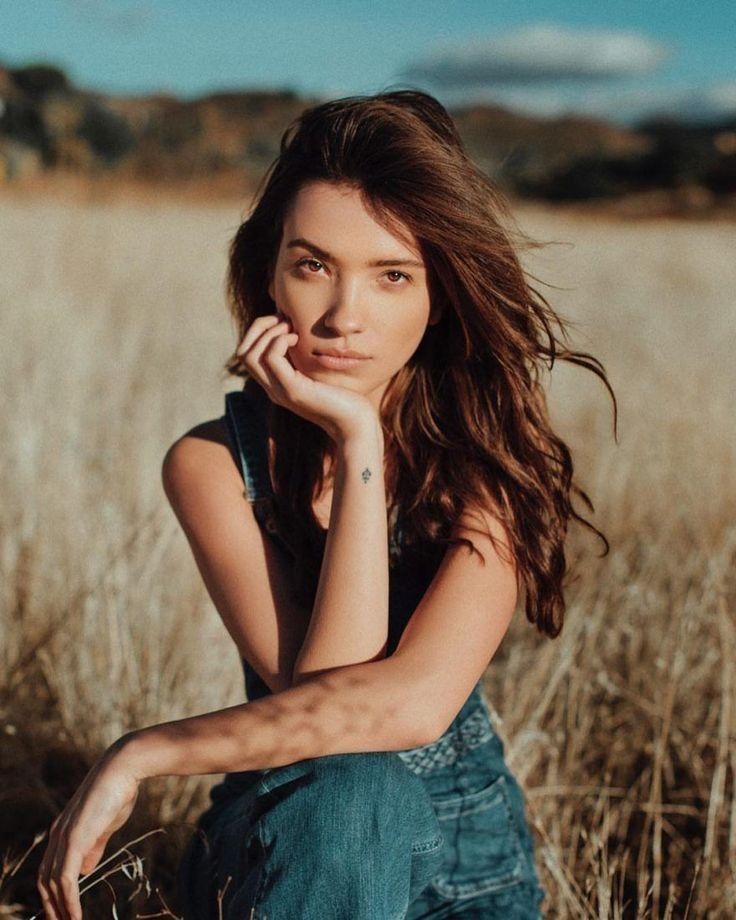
{"x": 346, "y": 313}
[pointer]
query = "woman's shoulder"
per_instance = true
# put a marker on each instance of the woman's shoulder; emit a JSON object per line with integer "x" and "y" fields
{"x": 203, "y": 453}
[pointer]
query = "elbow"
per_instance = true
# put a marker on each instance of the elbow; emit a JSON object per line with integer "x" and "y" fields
{"x": 420, "y": 732}
{"x": 423, "y": 725}
{"x": 406, "y": 729}
{"x": 428, "y": 728}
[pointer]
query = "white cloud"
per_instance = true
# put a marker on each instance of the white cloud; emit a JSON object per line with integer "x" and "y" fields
{"x": 540, "y": 52}
{"x": 625, "y": 105}
{"x": 721, "y": 96}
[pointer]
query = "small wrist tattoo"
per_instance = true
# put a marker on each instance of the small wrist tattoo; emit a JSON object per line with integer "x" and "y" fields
{"x": 366, "y": 474}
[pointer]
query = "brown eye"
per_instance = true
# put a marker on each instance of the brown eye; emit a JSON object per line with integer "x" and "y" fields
{"x": 308, "y": 261}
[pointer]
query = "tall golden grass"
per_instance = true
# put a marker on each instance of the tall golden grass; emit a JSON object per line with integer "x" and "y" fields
{"x": 622, "y": 731}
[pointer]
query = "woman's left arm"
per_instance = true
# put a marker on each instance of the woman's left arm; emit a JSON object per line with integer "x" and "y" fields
{"x": 370, "y": 706}
{"x": 395, "y": 703}
{"x": 349, "y": 620}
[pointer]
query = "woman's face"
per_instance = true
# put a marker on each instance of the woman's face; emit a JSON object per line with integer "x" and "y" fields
{"x": 328, "y": 282}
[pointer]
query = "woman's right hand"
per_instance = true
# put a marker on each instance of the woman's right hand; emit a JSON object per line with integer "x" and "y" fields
{"x": 339, "y": 411}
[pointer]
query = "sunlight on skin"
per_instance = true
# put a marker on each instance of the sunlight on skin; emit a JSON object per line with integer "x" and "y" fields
{"x": 343, "y": 302}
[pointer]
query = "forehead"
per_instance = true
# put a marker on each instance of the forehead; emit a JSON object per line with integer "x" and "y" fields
{"x": 340, "y": 218}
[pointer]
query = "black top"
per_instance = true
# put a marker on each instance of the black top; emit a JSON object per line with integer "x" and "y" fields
{"x": 412, "y": 569}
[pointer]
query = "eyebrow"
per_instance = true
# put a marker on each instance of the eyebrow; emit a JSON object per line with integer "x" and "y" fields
{"x": 323, "y": 254}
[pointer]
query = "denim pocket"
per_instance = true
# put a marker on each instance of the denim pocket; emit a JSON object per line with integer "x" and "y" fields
{"x": 483, "y": 850}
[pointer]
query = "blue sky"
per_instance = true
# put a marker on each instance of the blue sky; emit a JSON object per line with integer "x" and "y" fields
{"x": 547, "y": 57}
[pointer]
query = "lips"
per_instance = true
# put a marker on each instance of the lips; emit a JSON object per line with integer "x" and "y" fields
{"x": 336, "y": 353}
{"x": 338, "y": 362}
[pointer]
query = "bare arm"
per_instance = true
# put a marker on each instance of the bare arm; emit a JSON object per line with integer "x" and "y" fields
{"x": 403, "y": 701}
{"x": 349, "y": 622}
{"x": 372, "y": 706}
{"x": 246, "y": 575}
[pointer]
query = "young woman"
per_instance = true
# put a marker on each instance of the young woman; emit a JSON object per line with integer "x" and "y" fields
{"x": 365, "y": 526}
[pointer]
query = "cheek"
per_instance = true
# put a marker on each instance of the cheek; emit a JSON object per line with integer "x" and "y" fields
{"x": 298, "y": 301}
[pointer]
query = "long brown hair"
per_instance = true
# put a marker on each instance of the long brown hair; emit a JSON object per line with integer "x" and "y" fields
{"x": 465, "y": 421}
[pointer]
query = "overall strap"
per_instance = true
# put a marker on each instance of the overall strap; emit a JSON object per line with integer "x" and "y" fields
{"x": 247, "y": 423}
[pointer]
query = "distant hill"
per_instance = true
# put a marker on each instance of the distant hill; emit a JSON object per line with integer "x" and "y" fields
{"x": 47, "y": 125}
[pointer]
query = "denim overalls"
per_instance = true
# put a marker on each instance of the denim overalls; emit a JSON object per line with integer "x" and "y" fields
{"x": 435, "y": 831}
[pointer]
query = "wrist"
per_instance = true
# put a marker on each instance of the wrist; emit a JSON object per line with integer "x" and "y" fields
{"x": 132, "y": 754}
{"x": 364, "y": 433}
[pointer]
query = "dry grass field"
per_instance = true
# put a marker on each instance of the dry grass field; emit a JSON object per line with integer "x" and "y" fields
{"x": 622, "y": 731}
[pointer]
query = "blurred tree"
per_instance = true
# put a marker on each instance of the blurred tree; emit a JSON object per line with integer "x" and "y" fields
{"x": 38, "y": 80}
{"x": 108, "y": 135}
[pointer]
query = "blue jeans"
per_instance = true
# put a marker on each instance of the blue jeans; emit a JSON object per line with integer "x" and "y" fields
{"x": 437, "y": 831}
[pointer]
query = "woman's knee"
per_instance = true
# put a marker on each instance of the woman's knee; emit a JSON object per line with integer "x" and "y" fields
{"x": 341, "y": 774}
{"x": 347, "y": 795}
